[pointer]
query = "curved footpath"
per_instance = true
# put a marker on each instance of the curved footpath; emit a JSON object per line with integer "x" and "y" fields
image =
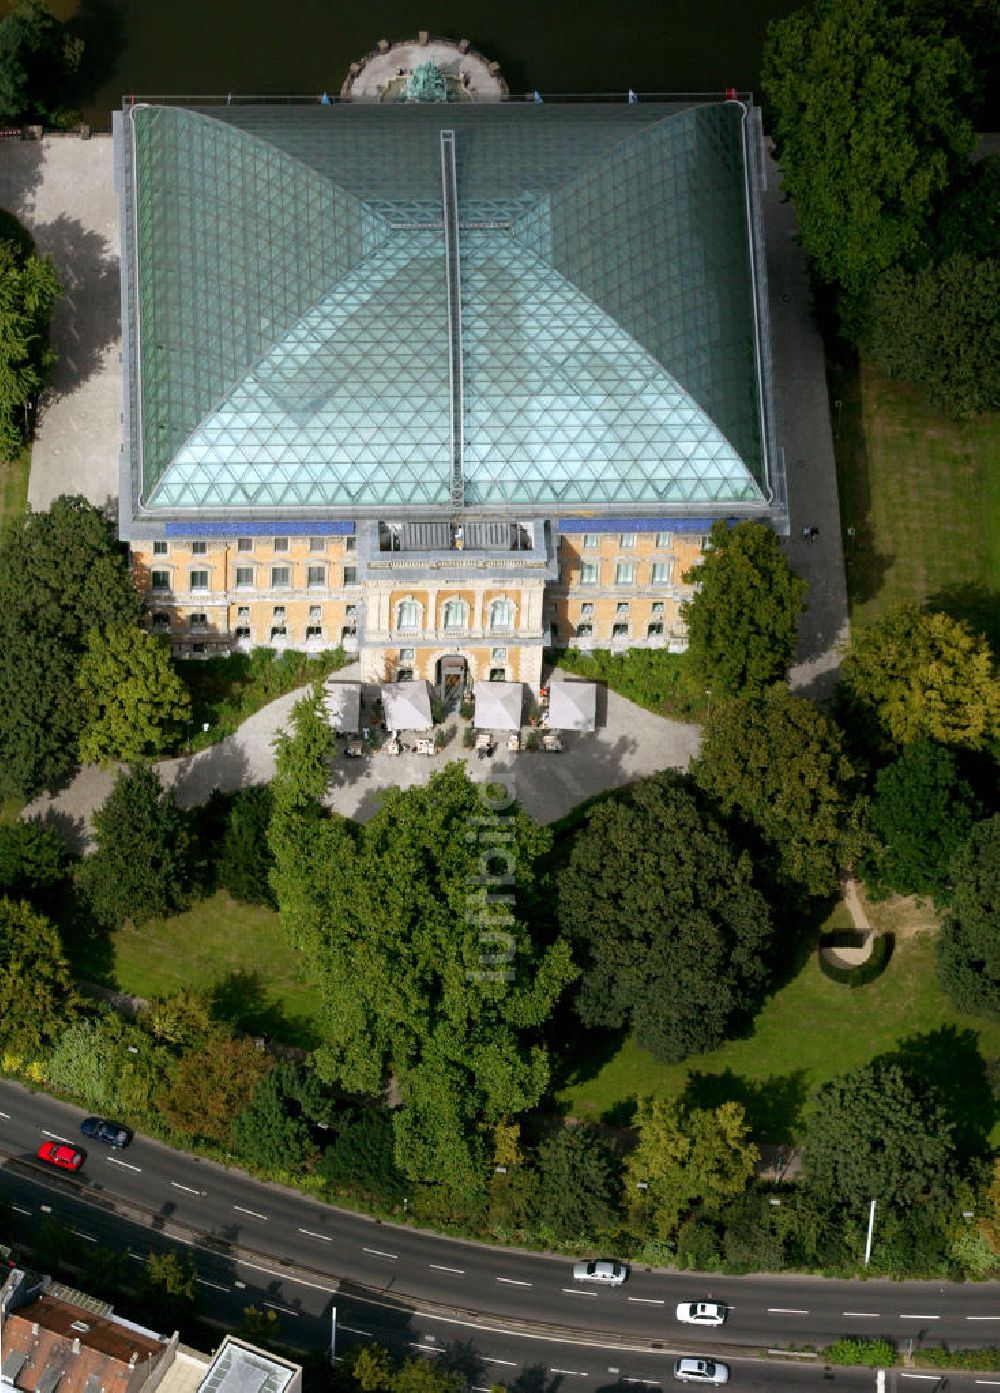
{"x": 629, "y": 744}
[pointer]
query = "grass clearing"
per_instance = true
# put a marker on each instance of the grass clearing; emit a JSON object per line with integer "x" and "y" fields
{"x": 808, "y": 1032}
{"x": 923, "y": 495}
{"x": 237, "y": 951}
{"x": 651, "y": 677}
{"x": 14, "y": 485}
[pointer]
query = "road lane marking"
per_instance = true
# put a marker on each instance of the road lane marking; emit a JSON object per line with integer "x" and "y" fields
{"x": 178, "y": 1186}
{"x": 993, "y": 1383}
{"x": 487, "y": 1360}
{"x": 982, "y": 1317}
{"x": 114, "y": 1161}
{"x": 862, "y": 1315}
{"x": 56, "y": 1137}
{"x": 575, "y": 1291}
{"x": 786, "y": 1311}
{"x": 137, "y": 1257}
{"x": 6, "y": 1115}
{"x": 649, "y": 1382}
{"x": 204, "y": 1282}
{"x": 285, "y": 1276}
{"x": 88, "y": 1236}
{"x": 18, "y": 1210}
{"x": 353, "y": 1330}
{"x": 378, "y": 1253}
{"x": 572, "y": 1373}
{"x": 311, "y": 1233}
{"x": 902, "y": 1317}
{"x": 511, "y": 1282}
{"x": 433, "y": 1348}
{"x": 252, "y": 1212}
{"x": 439, "y": 1267}
{"x": 648, "y": 1300}
{"x": 930, "y": 1378}
{"x": 275, "y": 1307}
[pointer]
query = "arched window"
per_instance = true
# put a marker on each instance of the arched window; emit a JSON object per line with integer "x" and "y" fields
{"x": 407, "y": 615}
{"x": 502, "y": 615}
{"x": 455, "y": 614}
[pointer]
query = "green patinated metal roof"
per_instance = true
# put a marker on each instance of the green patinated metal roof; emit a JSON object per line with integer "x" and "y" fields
{"x": 294, "y": 339}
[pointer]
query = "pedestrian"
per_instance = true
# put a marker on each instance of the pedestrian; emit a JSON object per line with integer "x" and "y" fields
{"x": 813, "y": 533}
{"x": 806, "y": 532}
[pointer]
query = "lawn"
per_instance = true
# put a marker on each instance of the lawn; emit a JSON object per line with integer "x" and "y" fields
{"x": 236, "y": 950}
{"x": 809, "y": 1031}
{"x": 14, "y": 485}
{"x": 923, "y": 496}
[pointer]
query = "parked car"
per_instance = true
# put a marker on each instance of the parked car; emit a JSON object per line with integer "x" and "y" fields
{"x": 110, "y": 1133}
{"x": 67, "y": 1158}
{"x": 701, "y": 1371}
{"x": 702, "y": 1312}
{"x": 602, "y": 1270}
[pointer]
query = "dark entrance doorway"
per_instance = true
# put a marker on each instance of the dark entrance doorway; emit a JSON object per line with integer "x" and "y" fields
{"x": 451, "y": 680}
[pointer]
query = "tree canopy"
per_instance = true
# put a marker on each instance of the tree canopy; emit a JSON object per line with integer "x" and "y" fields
{"x": 923, "y": 675}
{"x": 415, "y": 928}
{"x": 578, "y": 1184}
{"x": 778, "y": 762}
{"x": 39, "y": 58}
{"x": 62, "y": 573}
{"x": 922, "y": 814}
{"x": 209, "y": 1085}
{"x": 142, "y": 865}
{"x": 742, "y": 620}
{"x": 937, "y": 327}
{"x": 684, "y": 1158}
{"x": 36, "y": 990}
{"x": 669, "y": 928}
{"x": 877, "y": 1133}
{"x": 870, "y": 106}
{"x": 33, "y": 857}
{"x": 968, "y": 945}
{"x": 134, "y": 705}
{"x": 29, "y": 287}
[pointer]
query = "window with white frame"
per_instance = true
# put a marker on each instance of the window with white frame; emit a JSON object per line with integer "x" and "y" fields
{"x": 314, "y": 626}
{"x": 591, "y": 541}
{"x": 657, "y": 608}
{"x": 664, "y": 541}
{"x": 502, "y": 615}
{"x": 161, "y": 548}
{"x": 281, "y": 544}
{"x": 199, "y": 548}
{"x": 499, "y": 655}
{"x": 198, "y": 621}
{"x": 626, "y": 540}
{"x": 407, "y": 655}
{"x": 161, "y": 622}
{"x": 620, "y": 629}
{"x": 625, "y": 573}
{"x": 661, "y": 572}
{"x": 317, "y": 544}
{"x": 621, "y": 609}
{"x": 408, "y": 615}
{"x": 498, "y": 674}
{"x": 588, "y": 573}
{"x": 350, "y": 575}
{"x": 455, "y": 614}
{"x": 586, "y": 610}
{"x": 315, "y": 576}
{"x": 404, "y": 674}
{"x": 159, "y": 580}
{"x": 199, "y": 580}
{"x": 281, "y": 577}
{"x": 654, "y": 629}
{"x": 244, "y": 544}
{"x": 278, "y": 622}
{"x": 242, "y": 631}
{"x": 585, "y": 629}
{"x": 244, "y": 577}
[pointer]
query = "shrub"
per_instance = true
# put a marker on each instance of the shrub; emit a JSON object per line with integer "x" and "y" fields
{"x": 874, "y": 1354}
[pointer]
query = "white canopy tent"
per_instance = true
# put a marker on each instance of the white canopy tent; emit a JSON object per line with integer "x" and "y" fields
{"x": 498, "y": 705}
{"x": 407, "y": 705}
{"x": 342, "y": 703}
{"x": 572, "y": 706}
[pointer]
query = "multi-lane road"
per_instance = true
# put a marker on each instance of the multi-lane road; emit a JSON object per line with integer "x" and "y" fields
{"x": 258, "y": 1243}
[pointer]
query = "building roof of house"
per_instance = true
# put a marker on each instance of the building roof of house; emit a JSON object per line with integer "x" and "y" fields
{"x": 345, "y": 307}
{"x": 59, "y": 1345}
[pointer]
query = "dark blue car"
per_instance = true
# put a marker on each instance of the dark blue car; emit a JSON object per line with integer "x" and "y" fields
{"x": 110, "y": 1133}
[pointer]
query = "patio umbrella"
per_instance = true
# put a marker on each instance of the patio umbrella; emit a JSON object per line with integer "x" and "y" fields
{"x": 498, "y": 705}
{"x": 342, "y": 703}
{"x": 572, "y": 706}
{"x": 407, "y": 705}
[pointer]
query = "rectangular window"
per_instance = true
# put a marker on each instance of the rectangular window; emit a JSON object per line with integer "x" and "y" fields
{"x": 664, "y": 541}
{"x": 588, "y": 573}
{"x": 406, "y": 655}
{"x": 619, "y": 631}
{"x": 244, "y": 577}
{"x": 654, "y": 629}
{"x": 160, "y": 548}
{"x": 161, "y": 622}
{"x": 199, "y": 548}
{"x": 198, "y": 621}
{"x": 553, "y": 631}
{"x": 587, "y": 611}
{"x": 626, "y": 540}
{"x": 350, "y": 543}
{"x": 314, "y": 631}
{"x": 244, "y": 544}
{"x": 584, "y": 630}
{"x": 315, "y": 576}
{"x": 159, "y": 580}
{"x": 197, "y": 650}
{"x": 351, "y": 613}
{"x": 199, "y": 580}
{"x": 317, "y": 544}
{"x": 315, "y": 614}
{"x": 281, "y": 544}
{"x": 350, "y": 575}
{"x": 278, "y": 614}
{"x": 661, "y": 572}
{"x": 625, "y": 573}
{"x": 622, "y": 609}
{"x": 657, "y": 607}
{"x": 407, "y": 614}
{"x": 499, "y": 655}
{"x": 280, "y": 577}
{"x": 591, "y": 541}
{"x": 404, "y": 674}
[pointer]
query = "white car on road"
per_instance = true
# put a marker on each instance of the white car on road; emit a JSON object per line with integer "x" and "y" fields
{"x": 701, "y": 1371}
{"x": 702, "y": 1312}
{"x": 610, "y": 1274}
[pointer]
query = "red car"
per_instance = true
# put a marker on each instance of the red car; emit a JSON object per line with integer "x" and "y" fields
{"x": 67, "y": 1158}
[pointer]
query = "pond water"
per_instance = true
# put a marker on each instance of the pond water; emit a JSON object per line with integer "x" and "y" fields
{"x": 188, "y": 47}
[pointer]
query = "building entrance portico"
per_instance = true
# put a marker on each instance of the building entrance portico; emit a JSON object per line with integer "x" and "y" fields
{"x": 449, "y": 678}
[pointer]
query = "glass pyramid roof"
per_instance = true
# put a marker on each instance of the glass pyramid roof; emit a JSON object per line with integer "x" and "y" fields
{"x": 295, "y": 348}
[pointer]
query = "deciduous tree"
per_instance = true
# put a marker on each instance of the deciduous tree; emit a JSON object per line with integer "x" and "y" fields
{"x": 923, "y": 675}
{"x": 29, "y": 287}
{"x": 133, "y": 703}
{"x": 141, "y": 867}
{"x": 39, "y": 57}
{"x": 33, "y": 857}
{"x": 109, "y": 1064}
{"x": 742, "y": 620}
{"x": 578, "y": 1184}
{"x": 779, "y": 763}
{"x": 210, "y": 1084}
{"x": 244, "y": 862}
{"x": 670, "y": 932}
{"x": 968, "y": 945}
{"x": 37, "y": 998}
{"x": 870, "y": 108}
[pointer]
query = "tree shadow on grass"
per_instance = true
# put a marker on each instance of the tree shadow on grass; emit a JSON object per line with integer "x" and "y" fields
{"x": 241, "y": 1000}
{"x": 773, "y": 1106}
{"x": 974, "y": 604}
{"x": 949, "y": 1059}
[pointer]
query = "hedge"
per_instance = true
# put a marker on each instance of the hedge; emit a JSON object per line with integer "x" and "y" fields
{"x": 873, "y": 966}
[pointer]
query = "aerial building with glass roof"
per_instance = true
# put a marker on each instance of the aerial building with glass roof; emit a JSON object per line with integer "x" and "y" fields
{"x": 445, "y": 383}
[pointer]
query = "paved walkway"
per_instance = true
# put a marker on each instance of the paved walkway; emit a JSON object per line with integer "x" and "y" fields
{"x": 629, "y": 744}
{"x": 62, "y": 188}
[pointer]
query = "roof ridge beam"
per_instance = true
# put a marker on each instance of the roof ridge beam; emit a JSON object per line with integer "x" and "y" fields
{"x": 453, "y": 281}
